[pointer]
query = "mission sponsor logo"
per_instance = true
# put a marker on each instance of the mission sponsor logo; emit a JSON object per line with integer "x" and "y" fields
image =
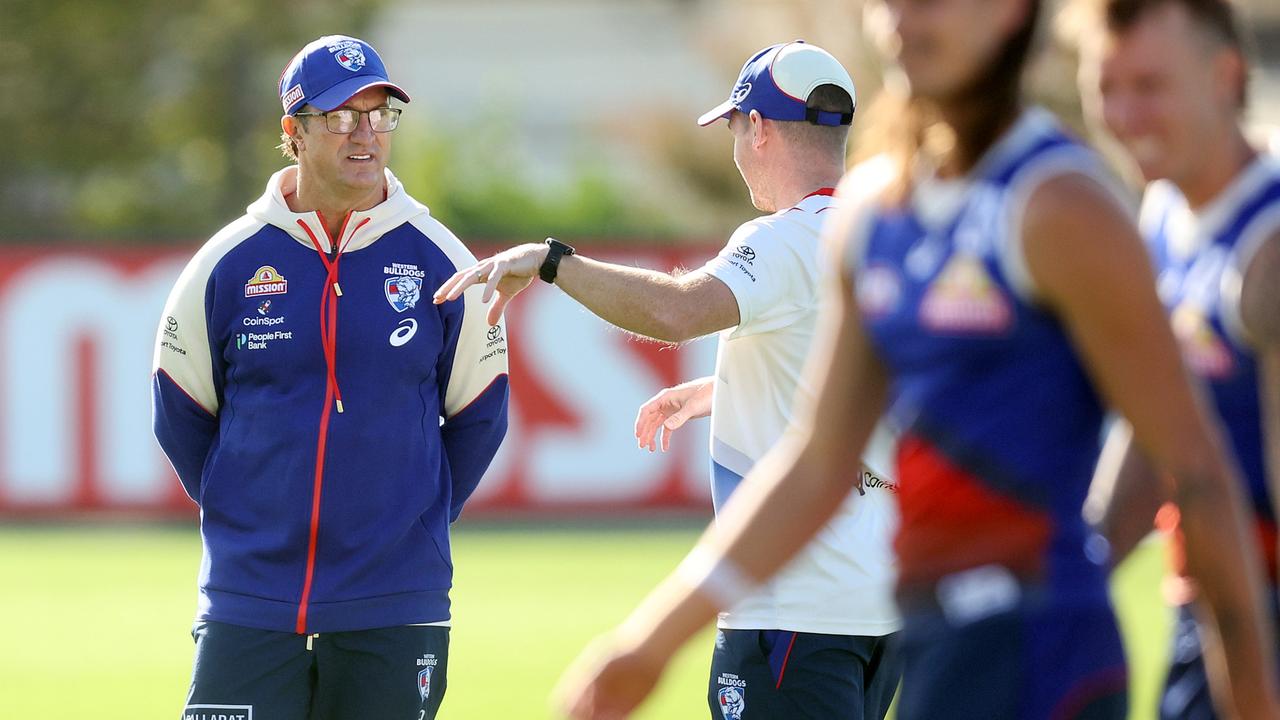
{"x": 291, "y": 97}
{"x": 266, "y": 281}
{"x": 963, "y": 299}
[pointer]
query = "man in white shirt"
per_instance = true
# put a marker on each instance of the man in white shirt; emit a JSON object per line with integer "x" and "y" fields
{"x": 818, "y": 640}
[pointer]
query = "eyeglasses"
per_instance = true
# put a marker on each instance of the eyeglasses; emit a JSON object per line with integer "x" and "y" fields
{"x": 345, "y": 120}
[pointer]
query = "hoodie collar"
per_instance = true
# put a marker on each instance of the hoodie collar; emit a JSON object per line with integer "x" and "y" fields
{"x": 360, "y": 230}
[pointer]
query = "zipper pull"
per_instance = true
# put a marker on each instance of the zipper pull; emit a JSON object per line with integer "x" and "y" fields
{"x": 309, "y": 639}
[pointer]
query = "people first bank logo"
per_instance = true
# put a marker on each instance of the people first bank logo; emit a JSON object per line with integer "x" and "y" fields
{"x": 266, "y": 281}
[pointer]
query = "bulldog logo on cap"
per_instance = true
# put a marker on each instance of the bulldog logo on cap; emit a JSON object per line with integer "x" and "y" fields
{"x": 348, "y": 54}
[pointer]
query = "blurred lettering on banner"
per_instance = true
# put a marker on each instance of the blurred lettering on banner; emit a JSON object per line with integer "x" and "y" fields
{"x": 77, "y": 331}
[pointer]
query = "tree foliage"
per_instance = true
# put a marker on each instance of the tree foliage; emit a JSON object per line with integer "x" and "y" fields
{"x": 137, "y": 119}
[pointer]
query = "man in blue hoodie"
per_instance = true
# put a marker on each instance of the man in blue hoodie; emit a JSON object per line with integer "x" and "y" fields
{"x": 329, "y": 420}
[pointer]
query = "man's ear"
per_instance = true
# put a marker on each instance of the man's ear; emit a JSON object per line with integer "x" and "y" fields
{"x": 289, "y": 125}
{"x": 1231, "y": 75}
{"x": 760, "y": 132}
{"x": 292, "y": 127}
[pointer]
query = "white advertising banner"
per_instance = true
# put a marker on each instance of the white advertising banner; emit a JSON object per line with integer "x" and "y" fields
{"x": 76, "y": 335}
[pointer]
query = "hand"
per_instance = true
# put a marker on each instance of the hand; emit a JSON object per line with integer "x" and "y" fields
{"x": 670, "y": 409}
{"x": 607, "y": 682}
{"x": 506, "y": 273}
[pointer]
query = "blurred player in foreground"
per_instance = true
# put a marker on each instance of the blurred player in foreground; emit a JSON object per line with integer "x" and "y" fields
{"x": 999, "y": 287}
{"x": 818, "y": 641}
{"x": 330, "y": 426}
{"x": 1168, "y": 79}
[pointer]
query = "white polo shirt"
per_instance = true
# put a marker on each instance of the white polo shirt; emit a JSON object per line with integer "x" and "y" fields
{"x": 842, "y": 583}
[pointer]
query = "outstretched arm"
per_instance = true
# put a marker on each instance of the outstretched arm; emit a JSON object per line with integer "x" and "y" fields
{"x": 1089, "y": 264}
{"x": 793, "y": 491}
{"x": 646, "y": 302}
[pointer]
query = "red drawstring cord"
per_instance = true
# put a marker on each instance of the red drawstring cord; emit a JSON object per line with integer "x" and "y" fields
{"x": 329, "y": 302}
{"x": 329, "y": 340}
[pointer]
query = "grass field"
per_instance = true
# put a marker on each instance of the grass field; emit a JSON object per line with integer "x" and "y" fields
{"x": 94, "y": 621}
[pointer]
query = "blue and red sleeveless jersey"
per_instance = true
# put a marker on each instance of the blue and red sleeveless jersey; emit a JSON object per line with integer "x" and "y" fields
{"x": 1200, "y": 258}
{"x": 1000, "y": 424}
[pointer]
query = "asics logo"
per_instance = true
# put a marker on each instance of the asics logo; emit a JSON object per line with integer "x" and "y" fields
{"x": 404, "y": 332}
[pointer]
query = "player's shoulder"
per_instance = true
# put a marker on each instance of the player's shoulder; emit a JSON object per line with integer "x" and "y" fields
{"x": 439, "y": 236}
{"x": 220, "y": 245}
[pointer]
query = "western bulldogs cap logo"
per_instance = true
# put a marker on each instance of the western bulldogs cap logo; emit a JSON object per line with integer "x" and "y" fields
{"x": 349, "y": 54}
{"x": 330, "y": 70}
{"x": 777, "y": 82}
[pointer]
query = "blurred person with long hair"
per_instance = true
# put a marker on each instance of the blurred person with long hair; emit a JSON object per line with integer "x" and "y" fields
{"x": 1168, "y": 79}
{"x": 988, "y": 287}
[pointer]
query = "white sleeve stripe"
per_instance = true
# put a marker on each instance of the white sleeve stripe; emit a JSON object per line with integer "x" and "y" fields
{"x": 1262, "y": 227}
{"x": 473, "y": 400}
{"x": 1070, "y": 160}
{"x": 190, "y": 365}
{"x": 160, "y": 371}
{"x": 471, "y": 373}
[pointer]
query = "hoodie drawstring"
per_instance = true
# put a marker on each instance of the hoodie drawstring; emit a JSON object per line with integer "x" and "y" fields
{"x": 329, "y": 340}
{"x": 329, "y": 304}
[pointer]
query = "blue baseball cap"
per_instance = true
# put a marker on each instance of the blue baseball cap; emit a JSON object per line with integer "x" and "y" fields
{"x": 777, "y": 81}
{"x": 330, "y": 70}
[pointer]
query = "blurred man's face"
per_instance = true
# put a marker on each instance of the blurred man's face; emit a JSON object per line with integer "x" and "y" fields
{"x": 348, "y": 162}
{"x": 1161, "y": 89}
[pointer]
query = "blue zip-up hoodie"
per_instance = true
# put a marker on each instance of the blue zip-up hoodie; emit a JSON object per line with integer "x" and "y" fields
{"x": 329, "y": 420}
